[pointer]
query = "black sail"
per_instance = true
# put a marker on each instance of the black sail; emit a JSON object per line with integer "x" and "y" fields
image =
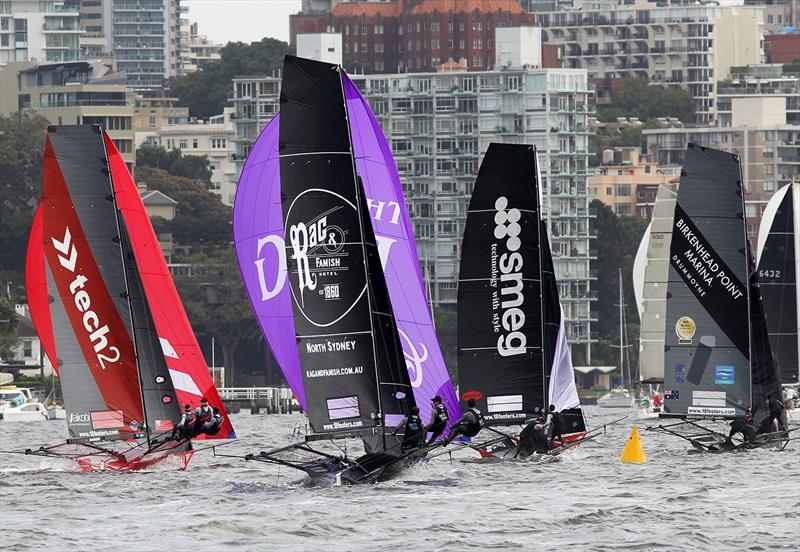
{"x": 707, "y": 347}
{"x": 349, "y": 349}
{"x": 778, "y": 284}
{"x": 500, "y": 331}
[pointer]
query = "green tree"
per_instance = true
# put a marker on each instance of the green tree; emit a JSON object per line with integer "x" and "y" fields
{"x": 197, "y": 167}
{"x": 206, "y": 92}
{"x": 639, "y": 98}
{"x": 8, "y": 327}
{"x": 446, "y": 321}
{"x": 22, "y": 137}
{"x": 200, "y": 216}
{"x": 216, "y": 304}
{"x": 618, "y": 238}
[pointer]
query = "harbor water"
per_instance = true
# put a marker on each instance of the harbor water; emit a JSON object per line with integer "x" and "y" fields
{"x": 585, "y": 500}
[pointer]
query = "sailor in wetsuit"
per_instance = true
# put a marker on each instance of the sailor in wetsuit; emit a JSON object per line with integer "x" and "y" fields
{"x": 202, "y": 414}
{"x": 413, "y": 430}
{"x": 212, "y": 425}
{"x": 532, "y": 439}
{"x": 741, "y": 425}
{"x": 439, "y": 417}
{"x": 774, "y": 418}
{"x": 554, "y": 421}
{"x": 184, "y": 427}
{"x": 469, "y": 424}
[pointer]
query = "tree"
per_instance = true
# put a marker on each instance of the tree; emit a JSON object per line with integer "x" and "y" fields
{"x": 639, "y": 98}
{"x": 206, "y": 91}
{"x": 618, "y": 238}
{"x": 200, "y": 217}
{"x": 216, "y": 303}
{"x": 446, "y": 321}
{"x": 174, "y": 162}
{"x": 8, "y": 326}
{"x": 22, "y": 137}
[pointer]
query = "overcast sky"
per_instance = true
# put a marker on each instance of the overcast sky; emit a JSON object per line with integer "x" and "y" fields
{"x": 245, "y": 20}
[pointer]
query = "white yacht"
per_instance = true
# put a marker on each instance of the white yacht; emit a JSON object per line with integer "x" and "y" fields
{"x": 616, "y": 398}
{"x": 17, "y": 404}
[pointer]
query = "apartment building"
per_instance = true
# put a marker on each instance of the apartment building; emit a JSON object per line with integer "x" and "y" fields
{"x": 201, "y": 51}
{"x": 778, "y": 14}
{"x": 212, "y": 138}
{"x": 692, "y": 46}
{"x": 152, "y": 113}
{"x": 628, "y": 183}
{"x": 70, "y": 93}
{"x": 760, "y": 81}
{"x": 439, "y": 125}
{"x": 39, "y": 30}
{"x": 768, "y": 146}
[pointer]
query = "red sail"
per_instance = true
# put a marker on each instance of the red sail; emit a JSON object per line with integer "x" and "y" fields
{"x": 185, "y": 360}
{"x": 96, "y": 324}
{"x": 36, "y": 289}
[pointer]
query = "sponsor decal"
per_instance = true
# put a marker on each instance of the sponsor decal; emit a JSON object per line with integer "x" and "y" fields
{"x": 504, "y": 403}
{"x": 134, "y": 425}
{"x": 507, "y": 317}
{"x": 414, "y": 359}
{"x": 166, "y": 399}
{"x": 277, "y": 242}
{"x": 724, "y": 374}
{"x": 79, "y": 418}
{"x": 685, "y": 329}
{"x": 320, "y": 256}
{"x": 671, "y": 395}
{"x": 680, "y": 373}
{"x": 68, "y": 257}
{"x": 109, "y": 419}
{"x": 710, "y": 411}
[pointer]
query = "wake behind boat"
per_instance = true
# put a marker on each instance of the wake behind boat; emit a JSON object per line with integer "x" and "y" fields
{"x": 513, "y": 357}
{"x": 341, "y": 288}
{"x": 718, "y": 364}
{"x": 94, "y": 270}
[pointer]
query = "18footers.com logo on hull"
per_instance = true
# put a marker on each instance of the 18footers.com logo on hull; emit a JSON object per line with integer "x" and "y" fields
{"x": 321, "y": 248}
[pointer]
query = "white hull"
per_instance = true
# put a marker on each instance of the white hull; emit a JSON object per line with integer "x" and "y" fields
{"x": 615, "y": 402}
{"x": 31, "y": 412}
{"x": 794, "y": 415}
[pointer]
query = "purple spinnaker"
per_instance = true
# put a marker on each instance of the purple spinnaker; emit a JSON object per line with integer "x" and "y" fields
{"x": 259, "y": 238}
{"x": 258, "y": 235}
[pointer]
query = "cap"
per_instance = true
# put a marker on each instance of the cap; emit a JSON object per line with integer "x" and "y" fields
{"x": 437, "y": 398}
{"x": 187, "y": 407}
{"x": 204, "y": 401}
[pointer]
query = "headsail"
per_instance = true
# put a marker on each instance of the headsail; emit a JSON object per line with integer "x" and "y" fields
{"x": 778, "y": 270}
{"x": 707, "y": 360}
{"x": 654, "y": 277}
{"x": 259, "y": 235}
{"x": 353, "y": 371}
{"x": 500, "y": 310}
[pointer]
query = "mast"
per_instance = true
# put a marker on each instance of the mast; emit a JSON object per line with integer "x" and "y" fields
{"x": 119, "y": 240}
{"x": 621, "y": 365}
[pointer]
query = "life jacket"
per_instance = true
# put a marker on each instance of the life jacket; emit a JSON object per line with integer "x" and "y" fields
{"x": 442, "y": 416}
{"x": 187, "y": 418}
{"x": 476, "y": 425}
{"x": 413, "y": 425}
{"x": 557, "y": 423}
{"x": 204, "y": 414}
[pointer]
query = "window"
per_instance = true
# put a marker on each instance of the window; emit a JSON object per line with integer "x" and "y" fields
{"x": 218, "y": 143}
{"x": 770, "y": 186}
{"x": 364, "y": 48}
{"x": 27, "y": 348}
{"x": 477, "y": 26}
{"x": 183, "y": 143}
{"x": 477, "y": 43}
{"x": 449, "y": 25}
{"x": 461, "y": 26}
{"x": 435, "y": 27}
{"x": 152, "y": 121}
{"x": 750, "y": 210}
{"x": 609, "y": 191}
{"x": 450, "y": 44}
{"x": 363, "y": 29}
{"x": 195, "y": 143}
{"x": 623, "y": 190}
{"x": 378, "y": 29}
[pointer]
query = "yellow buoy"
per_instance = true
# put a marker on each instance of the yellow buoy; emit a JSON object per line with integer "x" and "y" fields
{"x": 633, "y": 449}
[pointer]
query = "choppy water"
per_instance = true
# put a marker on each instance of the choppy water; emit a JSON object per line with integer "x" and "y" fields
{"x": 587, "y": 500}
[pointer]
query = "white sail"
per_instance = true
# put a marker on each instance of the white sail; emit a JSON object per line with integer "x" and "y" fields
{"x": 654, "y": 287}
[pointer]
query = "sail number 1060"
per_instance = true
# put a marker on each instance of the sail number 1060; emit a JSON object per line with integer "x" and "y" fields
{"x": 769, "y": 273}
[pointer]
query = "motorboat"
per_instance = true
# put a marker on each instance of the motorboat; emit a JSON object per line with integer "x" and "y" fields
{"x": 616, "y": 398}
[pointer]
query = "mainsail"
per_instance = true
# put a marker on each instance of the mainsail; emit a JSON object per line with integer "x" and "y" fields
{"x": 353, "y": 370}
{"x": 90, "y": 300}
{"x": 650, "y": 277}
{"x": 778, "y": 269}
{"x": 513, "y": 357}
{"x": 259, "y": 237}
{"x": 707, "y": 370}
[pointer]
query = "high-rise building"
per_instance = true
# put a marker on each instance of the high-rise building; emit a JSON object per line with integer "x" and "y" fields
{"x": 72, "y": 93}
{"x": 439, "y": 125}
{"x": 778, "y": 14}
{"x": 758, "y": 132}
{"x": 39, "y": 30}
{"x": 689, "y": 45}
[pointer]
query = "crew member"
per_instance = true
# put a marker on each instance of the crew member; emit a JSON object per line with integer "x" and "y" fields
{"x": 184, "y": 427}
{"x": 469, "y": 424}
{"x": 439, "y": 417}
{"x": 413, "y": 430}
{"x": 554, "y": 420}
{"x": 212, "y": 425}
{"x": 532, "y": 439}
{"x": 202, "y": 414}
{"x": 740, "y": 425}
{"x": 772, "y": 421}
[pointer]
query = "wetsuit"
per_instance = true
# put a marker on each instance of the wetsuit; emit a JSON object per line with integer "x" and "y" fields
{"x": 184, "y": 427}
{"x": 439, "y": 417}
{"x": 532, "y": 439}
{"x": 739, "y": 425}
{"x": 212, "y": 425}
{"x": 201, "y": 416}
{"x": 414, "y": 432}
{"x": 469, "y": 424}
{"x": 555, "y": 427}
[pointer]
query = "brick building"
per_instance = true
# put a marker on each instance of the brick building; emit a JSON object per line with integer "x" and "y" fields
{"x": 418, "y": 35}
